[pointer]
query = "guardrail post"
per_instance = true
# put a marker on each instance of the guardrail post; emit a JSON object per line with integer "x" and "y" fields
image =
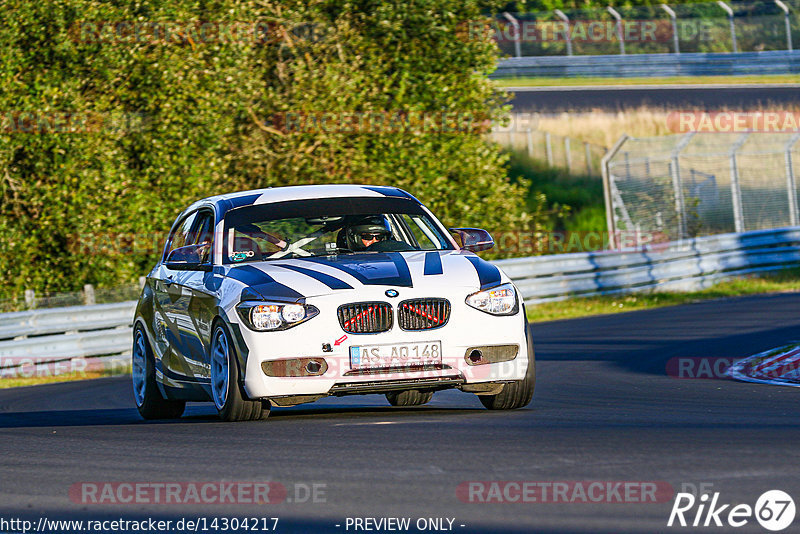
{"x": 729, "y": 11}
{"x": 517, "y": 34}
{"x": 791, "y": 187}
{"x": 787, "y": 23}
{"x": 607, "y": 194}
{"x": 567, "y": 155}
{"x": 30, "y": 299}
{"x": 618, "y": 17}
{"x": 548, "y": 148}
{"x": 587, "y": 151}
{"x": 560, "y": 14}
{"x": 736, "y": 190}
{"x": 674, "y": 20}
{"x": 88, "y": 295}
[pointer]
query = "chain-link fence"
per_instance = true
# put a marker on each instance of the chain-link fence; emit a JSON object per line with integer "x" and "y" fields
{"x": 699, "y": 184}
{"x": 677, "y": 28}
{"x": 573, "y": 155}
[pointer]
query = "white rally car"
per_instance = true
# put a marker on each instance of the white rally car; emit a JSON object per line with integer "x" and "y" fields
{"x": 282, "y": 296}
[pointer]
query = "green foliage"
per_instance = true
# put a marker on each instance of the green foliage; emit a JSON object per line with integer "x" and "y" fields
{"x": 204, "y": 123}
{"x": 573, "y": 203}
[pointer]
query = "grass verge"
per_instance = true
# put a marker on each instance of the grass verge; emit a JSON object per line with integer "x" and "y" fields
{"x": 18, "y": 381}
{"x": 784, "y": 281}
{"x": 681, "y": 80}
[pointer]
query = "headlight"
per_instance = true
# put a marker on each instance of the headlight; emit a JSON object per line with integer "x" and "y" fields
{"x": 267, "y": 316}
{"x": 500, "y": 300}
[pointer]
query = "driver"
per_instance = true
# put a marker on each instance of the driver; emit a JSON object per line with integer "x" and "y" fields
{"x": 366, "y": 231}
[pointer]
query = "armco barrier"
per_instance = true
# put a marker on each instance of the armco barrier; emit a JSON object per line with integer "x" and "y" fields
{"x": 690, "y": 264}
{"x": 87, "y": 331}
{"x": 649, "y": 65}
{"x": 61, "y": 334}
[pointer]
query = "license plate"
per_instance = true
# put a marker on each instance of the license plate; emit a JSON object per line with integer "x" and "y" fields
{"x": 395, "y": 355}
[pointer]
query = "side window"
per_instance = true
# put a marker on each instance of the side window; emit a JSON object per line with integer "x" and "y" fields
{"x": 203, "y": 233}
{"x": 182, "y": 235}
{"x": 426, "y": 237}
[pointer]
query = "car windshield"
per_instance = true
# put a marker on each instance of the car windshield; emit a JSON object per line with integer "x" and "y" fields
{"x": 321, "y": 227}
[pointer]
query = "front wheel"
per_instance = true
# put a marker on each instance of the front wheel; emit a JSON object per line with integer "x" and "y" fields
{"x": 227, "y": 392}
{"x": 519, "y": 393}
{"x": 149, "y": 402}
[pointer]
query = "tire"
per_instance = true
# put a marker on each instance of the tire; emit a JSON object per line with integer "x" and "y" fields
{"x": 409, "y": 397}
{"x": 226, "y": 389}
{"x": 149, "y": 401}
{"x": 519, "y": 393}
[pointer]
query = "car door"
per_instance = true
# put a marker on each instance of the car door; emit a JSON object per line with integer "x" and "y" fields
{"x": 171, "y": 309}
{"x": 200, "y": 289}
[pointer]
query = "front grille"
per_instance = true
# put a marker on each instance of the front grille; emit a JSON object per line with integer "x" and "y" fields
{"x": 365, "y": 317}
{"x": 423, "y": 314}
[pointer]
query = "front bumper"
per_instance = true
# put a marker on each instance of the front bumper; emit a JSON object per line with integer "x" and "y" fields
{"x": 466, "y": 329}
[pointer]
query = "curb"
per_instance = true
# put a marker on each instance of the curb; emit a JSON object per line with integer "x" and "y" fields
{"x": 779, "y": 367}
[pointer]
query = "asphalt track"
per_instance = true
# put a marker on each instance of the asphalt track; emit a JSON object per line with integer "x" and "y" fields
{"x": 708, "y": 97}
{"x": 604, "y": 410}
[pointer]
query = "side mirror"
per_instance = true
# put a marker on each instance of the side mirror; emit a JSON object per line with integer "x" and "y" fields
{"x": 188, "y": 258}
{"x": 473, "y": 239}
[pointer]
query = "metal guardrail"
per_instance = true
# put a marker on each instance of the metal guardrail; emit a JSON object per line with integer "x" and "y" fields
{"x": 649, "y": 65}
{"x": 85, "y": 331}
{"x": 687, "y": 265}
{"x": 60, "y": 334}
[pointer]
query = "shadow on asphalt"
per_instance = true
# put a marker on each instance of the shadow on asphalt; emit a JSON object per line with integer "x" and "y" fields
{"x": 644, "y": 341}
{"x": 202, "y": 414}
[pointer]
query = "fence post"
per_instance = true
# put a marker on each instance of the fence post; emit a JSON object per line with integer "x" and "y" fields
{"x": 560, "y": 14}
{"x": 618, "y": 18}
{"x": 567, "y": 155}
{"x": 548, "y": 147}
{"x": 677, "y": 184}
{"x": 30, "y": 299}
{"x": 587, "y": 151}
{"x": 787, "y": 23}
{"x": 88, "y": 295}
{"x": 530, "y": 143}
{"x": 517, "y": 34}
{"x": 729, "y": 11}
{"x": 673, "y": 18}
{"x": 736, "y": 190}
{"x": 791, "y": 188}
{"x": 604, "y": 169}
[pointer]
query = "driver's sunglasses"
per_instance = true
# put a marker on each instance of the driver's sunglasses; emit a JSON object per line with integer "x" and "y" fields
{"x": 370, "y": 237}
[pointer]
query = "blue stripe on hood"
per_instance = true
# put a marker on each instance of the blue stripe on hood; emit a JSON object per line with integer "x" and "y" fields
{"x": 263, "y": 283}
{"x": 433, "y": 263}
{"x": 372, "y": 269}
{"x": 488, "y": 274}
{"x": 330, "y": 281}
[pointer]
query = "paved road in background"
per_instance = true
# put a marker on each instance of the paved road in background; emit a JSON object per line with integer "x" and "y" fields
{"x": 742, "y": 97}
{"x": 604, "y": 410}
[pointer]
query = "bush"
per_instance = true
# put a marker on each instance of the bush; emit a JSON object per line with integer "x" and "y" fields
{"x": 192, "y": 118}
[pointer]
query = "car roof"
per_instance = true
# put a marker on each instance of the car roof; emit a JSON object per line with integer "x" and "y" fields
{"x": 305, "y": 192}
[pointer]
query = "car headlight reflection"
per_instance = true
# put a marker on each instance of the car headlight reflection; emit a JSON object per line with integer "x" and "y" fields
{"x": 266, "y": 317}
{"x": 500, "y": 300}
